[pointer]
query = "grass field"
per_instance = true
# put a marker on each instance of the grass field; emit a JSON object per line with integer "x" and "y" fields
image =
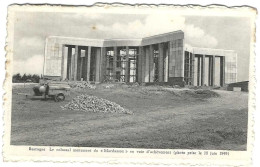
{"x": 163, "y": 118}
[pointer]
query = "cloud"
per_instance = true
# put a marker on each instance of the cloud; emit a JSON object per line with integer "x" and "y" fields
{"x": 31, "y": 42}
{"x": 158, "y": 24}
{"x": 32, "y": 65}
{"x": 30, "y": 47}
{"x": 76, "y": 16}
{"x": 196, "y": 36}
{"x": 108, "y": 26}
{"x": 152, "y": 25}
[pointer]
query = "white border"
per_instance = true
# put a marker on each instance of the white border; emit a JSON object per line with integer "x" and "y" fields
{"x": 205, "y": 2}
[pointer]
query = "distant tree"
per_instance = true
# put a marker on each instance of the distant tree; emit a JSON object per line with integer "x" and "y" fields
{"x": 35, "y": 78}
{"x": 26, "y": 78}
{"x": 16, "y": 78}
{"x": 29, "y": 78}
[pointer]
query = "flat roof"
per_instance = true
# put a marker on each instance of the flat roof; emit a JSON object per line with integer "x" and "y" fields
{"x": 160, "y": 38}
{"x": 119, "y": 42}
{"x": 209, "y": 51}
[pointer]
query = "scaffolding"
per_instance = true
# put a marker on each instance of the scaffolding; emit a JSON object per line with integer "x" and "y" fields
{"x": 188, "y": 68}
{"x": 156, "y": 67}
{"x": 132, "y": 64}
{"x": 92, "y": 65}
{"x": 125, "y": 69}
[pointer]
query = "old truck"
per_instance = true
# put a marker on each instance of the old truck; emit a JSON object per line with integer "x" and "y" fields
{"x": 52, "y": 89}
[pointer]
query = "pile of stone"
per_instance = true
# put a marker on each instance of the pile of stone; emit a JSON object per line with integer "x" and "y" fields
{"x": 95, "y": 104}
{"x": 81, "y": 85}
{"x": 109, "y": 86}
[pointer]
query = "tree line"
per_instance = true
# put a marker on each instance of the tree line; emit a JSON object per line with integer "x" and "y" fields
{"x": 18, "y": 78}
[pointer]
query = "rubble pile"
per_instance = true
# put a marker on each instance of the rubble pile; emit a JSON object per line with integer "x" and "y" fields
{"x": 109, "y": 86}
{"x": 94, "y": 104}
{"x": 82, "y": 85}
{"x": 206, "y": 93}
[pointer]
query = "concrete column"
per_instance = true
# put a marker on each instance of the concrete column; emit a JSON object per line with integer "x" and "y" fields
{"x": 151, "y": 64}
{"x": 78, "y": 66}
{"x": 88, "y": 63}
{"x": 103, "y": 64}
{"x": 210, "y": 71}
{"x": 139, "y": 64}
{"x": 198, "y": 73}
{"x": 222, "y": 71}
{"x": 69, "y": 63}
{"x": 114, "y": 62}
{"x": 143, "y": 63}
{"x": 213, "y": 71}
{"x": 108, "y": 65}
{"x": 203, "y": 70}
{"x": 192, "y": 69}
{"x": 80, "y": 63}
{"x": 127, "y": 65}
{"x": 64, "y": 62}
{"x": 82, "y": 74}
{"x": 166, "y": 64}
{"x": 187, "y": 66}
{"x": 81, "y": 67}
{"x": 160, "y": 62}
{"x": 72, "y": 66}
{"x": 98, "y": 57}
{"x": 75, "y": 64}
{"x": 147, "y": 71}
{"x": 85, "y": 65}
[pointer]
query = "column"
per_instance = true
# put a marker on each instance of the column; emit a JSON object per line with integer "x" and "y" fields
{"x": 114, "y": 62}
{"x": 139, "y": 65}
{"x": 198, "y": 73}
{"x": 108, "y": 65}
{"x": 78, "y": 78}
{"x": 88, "y": 63}
{"x": 210, "y": 71}
{"x": 143, "y": 63}
{"x": 103, "y": 64}
{"x": 72, "y": 66}
{"x": 222, "y": 71}
{"x": 65, "y": 62}
{"x": 170, "y": 57}
{"x": 166, "y": 65}
{"x": 98, "y": 55}
{"x": 147, "y": 70}
{"x": 160, "y": 62}
{"x": 151, "y": 64}
{"x": 75, "y": 63}
{"x": 192, "y": 68}
{"x": 127, "y": 65}
{"x": 69, "y": 63}
{"x": 85, "y": 65}
{"x": 213, "y": 70}
{"x": 203, "y": 70}
{"x": 81, "y": 67}
{"x": 187, "y": 64}
{"x": 82, "y": 63}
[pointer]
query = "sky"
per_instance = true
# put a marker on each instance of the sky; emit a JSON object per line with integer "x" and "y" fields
{"x": 32, "y": 28}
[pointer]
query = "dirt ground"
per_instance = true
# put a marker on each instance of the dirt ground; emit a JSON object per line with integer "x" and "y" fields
{"x": 163, "y": 118}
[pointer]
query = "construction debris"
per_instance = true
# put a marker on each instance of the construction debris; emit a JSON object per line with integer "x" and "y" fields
{"x": 206, "y": 93}
{"x": 109, "y": 86}
{"x": 95, "y": 104}
{"x": 81, "y": 85}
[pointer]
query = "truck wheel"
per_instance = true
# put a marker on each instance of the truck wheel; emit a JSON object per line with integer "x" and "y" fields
{"x": 59, "y": 97}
